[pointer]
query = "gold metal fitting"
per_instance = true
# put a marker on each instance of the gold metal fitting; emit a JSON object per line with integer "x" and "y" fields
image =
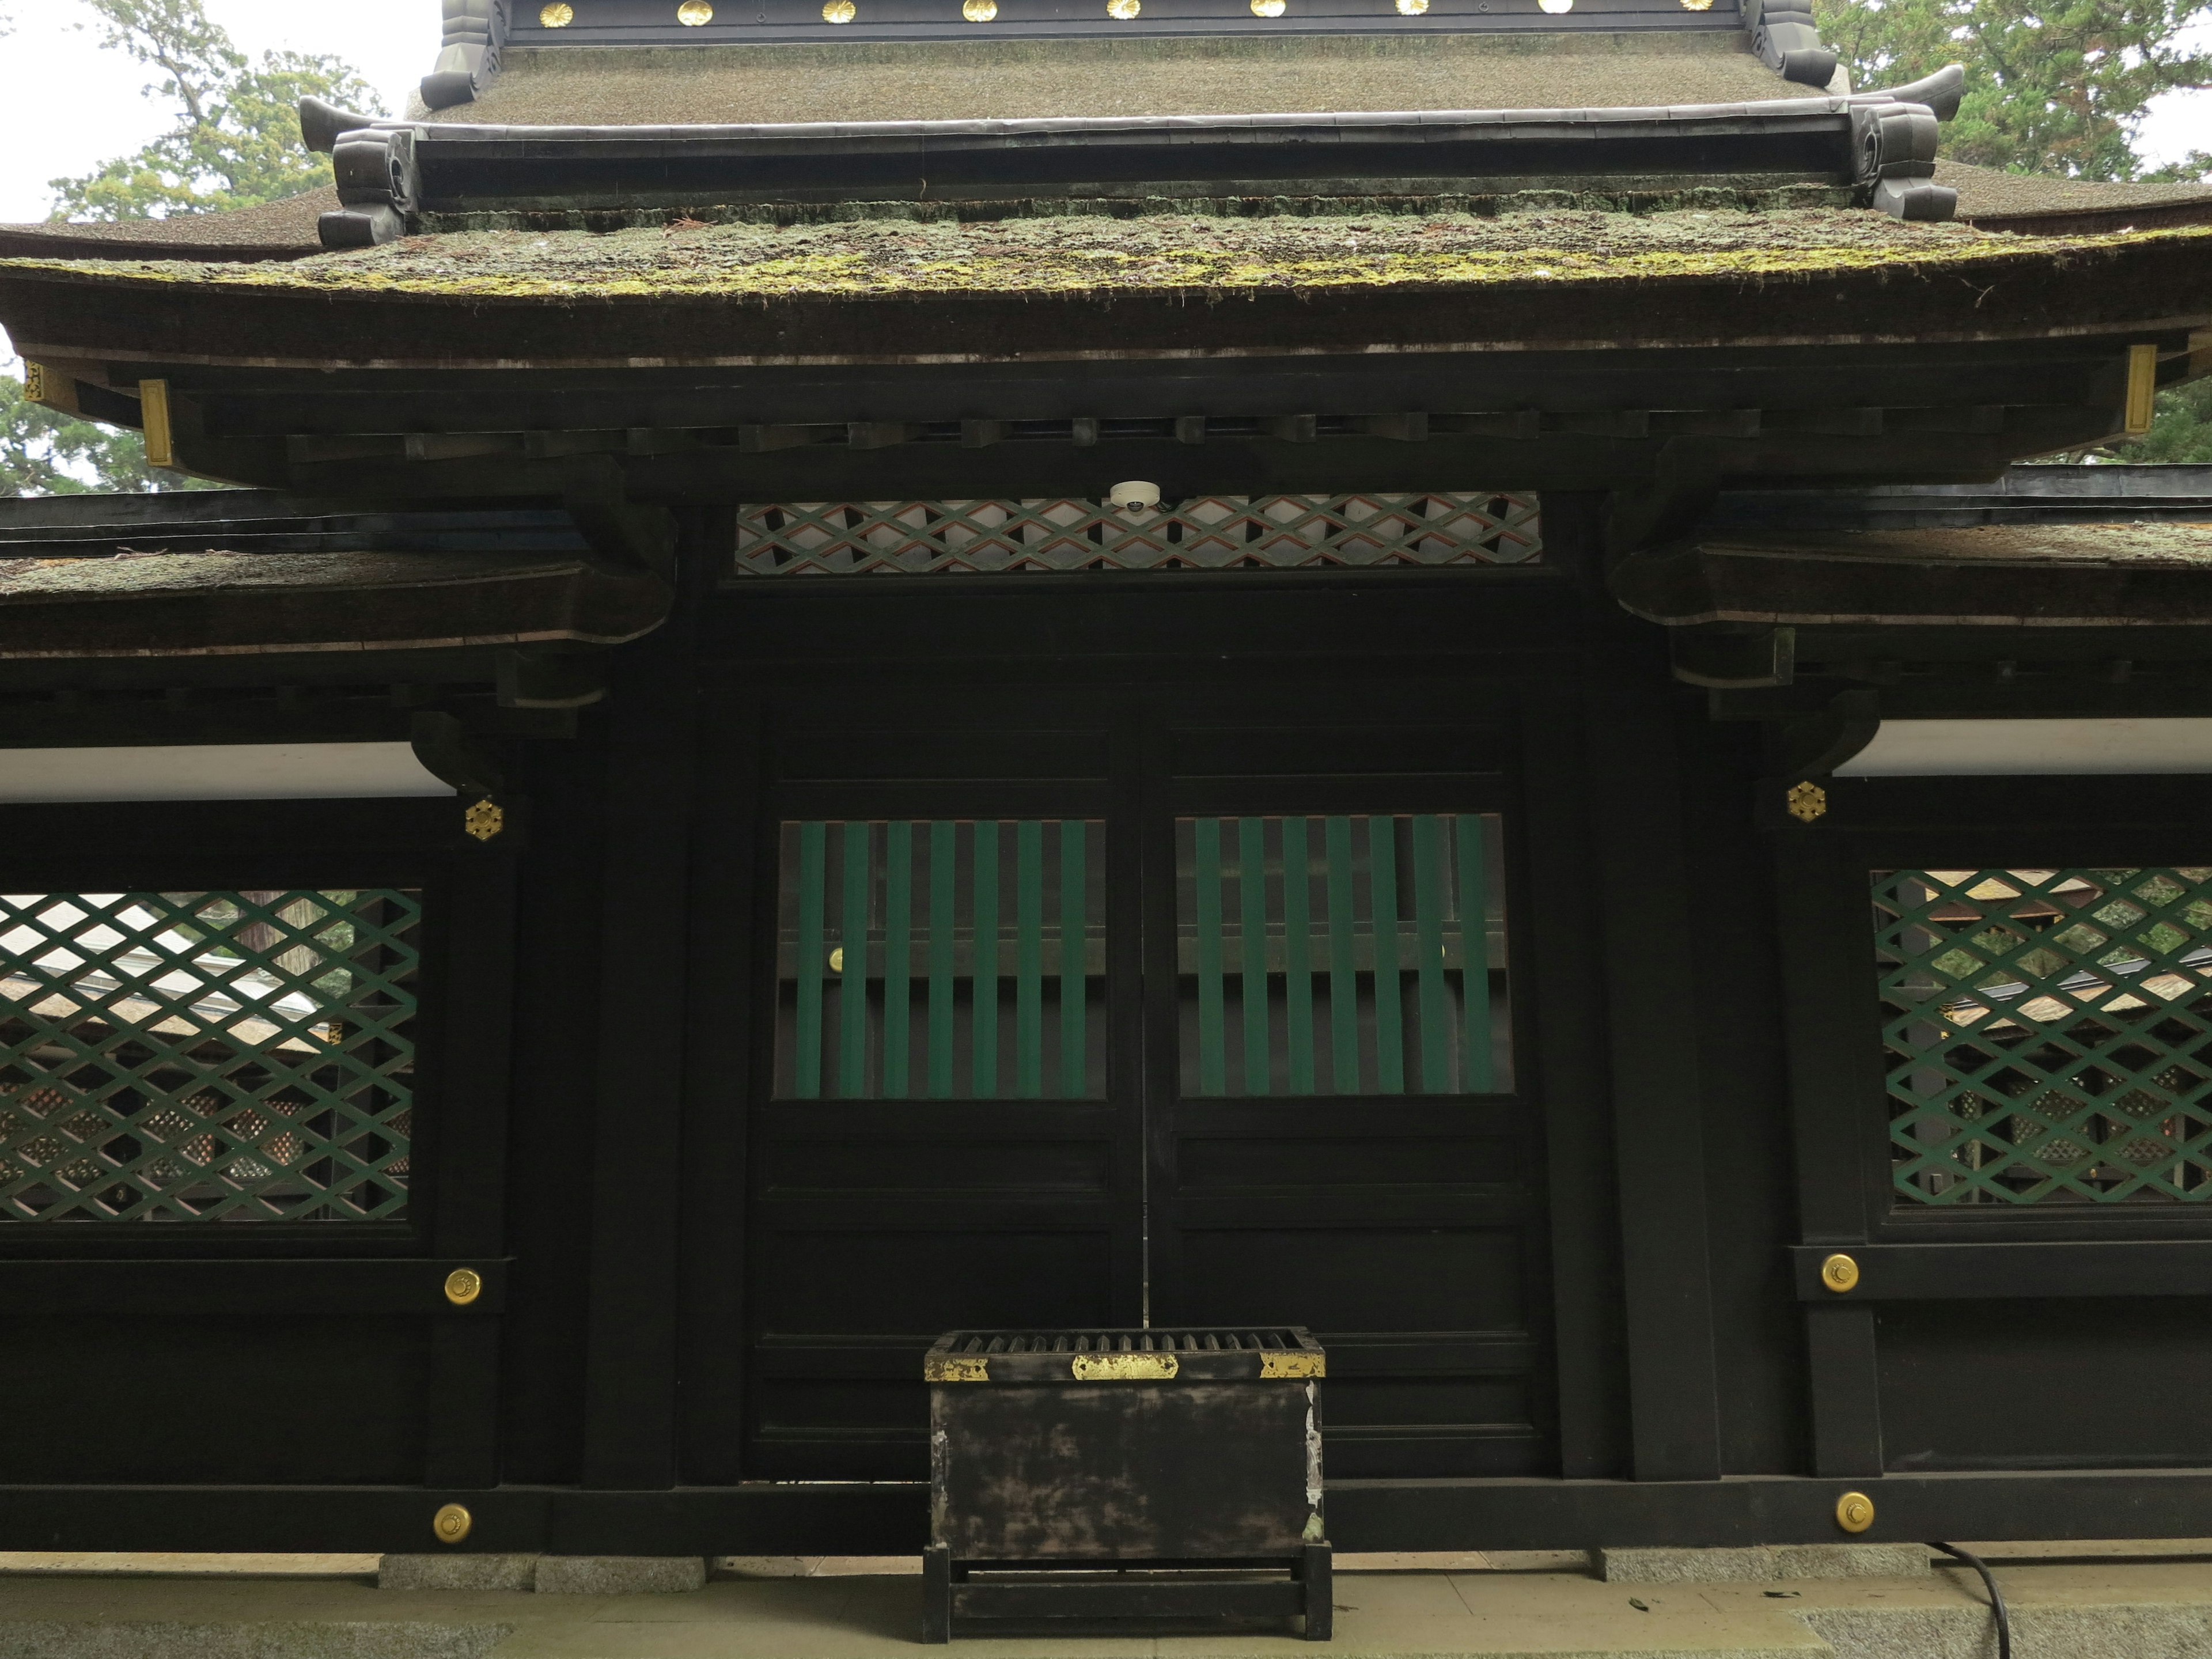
{"x": 1411, "y": 7}
{"x": 1855, "y": 1511}
{"x": 1124, "y": 11}
{"x": 463, "y": 1286}
{"x": 1269, "y": 7}
{"x": 154, "y": 422}
{"x": 838, "y": 960}
{"x": 485, "y": 820}
{"x": 979, "y": 11}
{"x": 452, "y": 1524}
{"x": 839, "y": 11}
{"x": 692, "y": 13}
{"x": 1122, "y": 1367}
{"x": 956, "y": 1368}
{"x": 1293, "y": 1363}
{"x": 558, "y": 15}
{"x": 2142, "y": 390}
{"x": 1840, "y": 1273}
{"x": 1806, "y": 802}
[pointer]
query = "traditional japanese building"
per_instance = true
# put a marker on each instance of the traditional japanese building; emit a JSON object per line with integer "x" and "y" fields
{"x": 1066, "y": 663}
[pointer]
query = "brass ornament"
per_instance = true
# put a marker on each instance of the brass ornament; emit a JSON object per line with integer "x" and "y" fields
{"x": 956, "y": 1368}
{"x": 1697, "y": 5}
{"x": 695, "y": 14}
{"x": 1411, "y": 7}
{"x": 979, "y": 11}
{"x": 1124, "y": 10}
{"x": 1295, "y": 1362}
{"x": 1122, "y": 1367}
{"x": 34, "y": 381}
{"x": 463, "y": 1286}
{"x": 1840, "y": 1273}
{"x": 485, "y": 820}
{"x": 1855, "y": 1511}
{"x": 451, "y": 1523}
{"x": 1269, "y": 7}
{"x": 839, "y": 11}
{"x": 558, "y": 15}
{"x": 838, "y": 960}
{"x": 1806, "y": 802}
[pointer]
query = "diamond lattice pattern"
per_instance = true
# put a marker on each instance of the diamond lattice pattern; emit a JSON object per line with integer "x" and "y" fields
{"x": 2048, "y": 1033}
{"x": 1209, "y": 532}
{"x": 238, "y": 1056}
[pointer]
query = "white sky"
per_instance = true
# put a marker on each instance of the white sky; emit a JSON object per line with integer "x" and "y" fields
{"x": 71, "y": 105}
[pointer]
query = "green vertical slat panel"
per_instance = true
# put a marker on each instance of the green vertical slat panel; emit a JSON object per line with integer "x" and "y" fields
{"x": 853, "y": 981}
{"x": 1298, "y": 956}
{"x": 1343, "y": 962}
{"x": 985, "y": 1039}
{"x": 943, "y": 884}
{"x": 899, "y": 947}
{"x": 1213, "y": 1074}
{"x": 1382, "y": 893}
{"x": 806, "y": 1060}
{"x": 1252, "y": 947}
{"x": 1028, "y": 958}
{"x": 1477, "y": 1075}
{"x": 1428, "y": 942}
{"x": 1074, "y": 934}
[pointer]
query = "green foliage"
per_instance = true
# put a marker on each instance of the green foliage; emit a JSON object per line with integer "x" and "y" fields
{"x": 45, "y": 453}
{"x": 2180, "y": 428}
{"x": 2053, "y": 88}
{"x": 237, "y": 138}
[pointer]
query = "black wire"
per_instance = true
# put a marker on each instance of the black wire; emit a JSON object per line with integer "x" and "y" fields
{"x": 1996, "y": 1595}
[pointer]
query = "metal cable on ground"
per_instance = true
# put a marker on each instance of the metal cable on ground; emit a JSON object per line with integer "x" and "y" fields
{"x": 1996, "y": 1595}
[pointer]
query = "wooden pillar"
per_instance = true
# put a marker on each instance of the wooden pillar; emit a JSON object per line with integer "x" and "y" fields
{"x": 633, "y": 1302}
{"x": 1636, "y": 826}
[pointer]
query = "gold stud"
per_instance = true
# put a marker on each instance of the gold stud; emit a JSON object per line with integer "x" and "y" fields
{"x": 1697, "y": 5}
{"x": 1124, "y": 10}
{"x": 1269, "y": 7}
{"x": 839, "y": 11}
{"x": 451, "y": 1523}
{"x": 1557, "y": 8}
{"x": 838, "y": 960}
{"x": 463, "y": 1286}
{"x": 558, "y": 15}
{"x": 1840, "y": 1273}
{"x": 695, "y": 14}
{"x": 485, "y": 820}
{"x": 1855, "y": 1511}
{"x": 1806, "y": 802}
{"x": 979, "y": 11}
{"x": 1411, "y": 7}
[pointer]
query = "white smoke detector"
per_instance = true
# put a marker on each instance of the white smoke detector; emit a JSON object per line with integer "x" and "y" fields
{"x": 1134, "y": 496}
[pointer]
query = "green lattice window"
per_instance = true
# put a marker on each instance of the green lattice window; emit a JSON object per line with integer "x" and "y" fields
{"x": 1347, "y": 956}
{"x": 236, "y": 1056}
{"x": 1207, "y": 533}
{"x": 2048, "y": 1033}
{"x": 942, "y": 959}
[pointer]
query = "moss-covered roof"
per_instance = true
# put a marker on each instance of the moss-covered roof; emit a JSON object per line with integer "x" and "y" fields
{"x": 951, "y": 80}
{"x": 2155, "y": 543}
{"x": 1989, "y": 193}
{"x": 283, "y": 229}
{"x": 1093, "y": 253}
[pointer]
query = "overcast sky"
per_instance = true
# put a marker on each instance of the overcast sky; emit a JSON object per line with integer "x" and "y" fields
{"x": 72, "y": 105}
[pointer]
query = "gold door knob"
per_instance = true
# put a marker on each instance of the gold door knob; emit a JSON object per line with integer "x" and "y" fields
{"x": 452, "y": 1524}
{"x": 1855, "y": 1511}
{"x": 1840, "y": 1273}
{"x": 463, "y": 1286}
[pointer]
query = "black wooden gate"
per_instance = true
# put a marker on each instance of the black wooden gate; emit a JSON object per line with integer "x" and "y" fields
{"x": 1089, "y": 1019}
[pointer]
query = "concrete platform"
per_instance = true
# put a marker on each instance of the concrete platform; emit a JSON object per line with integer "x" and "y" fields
{"x": 2078, "y": 1605}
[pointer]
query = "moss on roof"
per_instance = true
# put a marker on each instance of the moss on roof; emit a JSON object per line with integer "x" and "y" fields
{"x": 953, "y": 80}
{"x": 130, "y": 575}
{"x": 1097, "y": 254}
{"x": 279, "y": 229}
{"x": 2166, "y": 542}
{"x": 1989, "y": 193}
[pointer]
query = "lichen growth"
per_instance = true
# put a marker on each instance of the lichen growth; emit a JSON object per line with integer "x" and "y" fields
{"x": 1187, "y": 254}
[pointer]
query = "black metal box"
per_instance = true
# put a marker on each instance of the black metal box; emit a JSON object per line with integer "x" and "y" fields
{"x": 1190, "y": 1461}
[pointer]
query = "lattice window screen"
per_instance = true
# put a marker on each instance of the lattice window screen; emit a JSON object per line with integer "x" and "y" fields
{"x": 232, "y": 1056}
{"x": 942, "y": 959}
{"x": 1344, "y": 956}
{"x": 1214, "y": 533}
{"x": 2048, "y": 1033}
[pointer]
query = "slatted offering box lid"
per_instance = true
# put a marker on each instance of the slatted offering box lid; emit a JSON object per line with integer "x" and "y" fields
{"x": 1283, "y": 1352}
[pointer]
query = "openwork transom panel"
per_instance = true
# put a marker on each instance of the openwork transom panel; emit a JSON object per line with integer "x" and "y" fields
{"x": 1360, "y": 955}
{"x": 945, "y": 958}
{"x": 2048, "y": 1033}
{"x": 1211, "y": 532}
{"x": 234, "y": 1056}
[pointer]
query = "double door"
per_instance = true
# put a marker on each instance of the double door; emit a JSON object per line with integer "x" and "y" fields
{"x": 1138, "y": 1019}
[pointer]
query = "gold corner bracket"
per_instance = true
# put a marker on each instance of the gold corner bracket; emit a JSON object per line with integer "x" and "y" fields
{"x": 1292, "y": 1363}
{"x": 2142, "y": 390}
{"x": 1806, "y": 801}
{"x": 956, "y": 1368}
{"x": 485, "y": 820}
{"x": 154, "y": 423}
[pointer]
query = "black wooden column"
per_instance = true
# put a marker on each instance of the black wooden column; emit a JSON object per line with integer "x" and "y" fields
{"x": 631, "y": 1340}
{"x": 463, "y": 1431}
{"x": 1566, "y": 927}
{"x": 1828, "y": 986}
{"x": 1636, "y": 826}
